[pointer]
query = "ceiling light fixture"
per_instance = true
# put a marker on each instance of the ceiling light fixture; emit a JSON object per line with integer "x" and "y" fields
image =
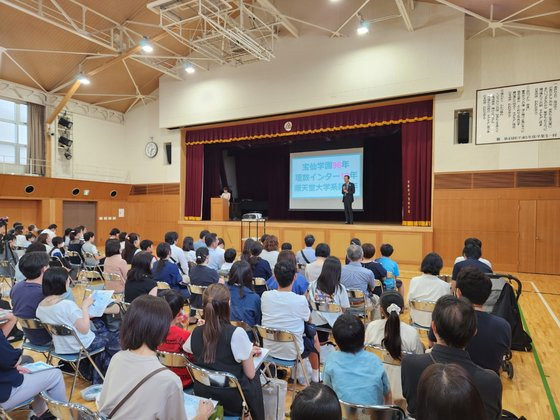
{"x": 146, "y": 45}
{"x": 83, "y": 79}
{"x": 65, "y": 122}
{"x": 64, "y": 141}
{"x": 363, "y": 27}
{"x": 189, "y": 68}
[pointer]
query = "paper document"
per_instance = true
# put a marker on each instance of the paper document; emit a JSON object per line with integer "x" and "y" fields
{"x": 257, "y": 360}
{"x": 38, "y": 367}
{"x": 191, "y": 404}
{"x": 101, "y": 299}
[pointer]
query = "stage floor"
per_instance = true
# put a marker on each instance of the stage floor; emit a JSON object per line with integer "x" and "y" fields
{"x": 410, "y": 243}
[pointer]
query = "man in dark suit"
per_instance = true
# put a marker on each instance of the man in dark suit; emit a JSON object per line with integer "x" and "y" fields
{"x": 454, "y": 324}
{"x": 348, "y": 190}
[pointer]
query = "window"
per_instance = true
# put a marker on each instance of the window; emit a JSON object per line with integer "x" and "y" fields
{"x": 13, "y": 133}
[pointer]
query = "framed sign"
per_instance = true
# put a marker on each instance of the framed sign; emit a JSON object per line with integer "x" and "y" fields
{"x": 528, "y": 112}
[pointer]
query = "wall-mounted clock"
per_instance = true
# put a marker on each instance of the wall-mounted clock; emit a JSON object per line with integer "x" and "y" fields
{"x": 151, "y": 149}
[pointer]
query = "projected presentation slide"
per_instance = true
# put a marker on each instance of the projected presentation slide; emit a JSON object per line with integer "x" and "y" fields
{"x": 316, "y": 178}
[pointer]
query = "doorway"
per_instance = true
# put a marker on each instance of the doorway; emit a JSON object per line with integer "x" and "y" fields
{"x": 76, "y": 213}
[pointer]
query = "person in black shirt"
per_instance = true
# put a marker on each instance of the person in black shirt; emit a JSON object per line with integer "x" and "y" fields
{"x": 454, "y": 325}
{"x": 201, "y": 275}
{"x": 472, "y": 253}
{"x": 368, "y": 262}
{"x": 139, "y": 280}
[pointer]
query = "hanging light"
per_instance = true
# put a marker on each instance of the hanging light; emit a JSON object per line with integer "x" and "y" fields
{"x": 65, "y": 122}
{"x": 83, "y": 79}
{"x": 363, "y": 27}
{"x": 146, "y": 45}
{"x": 64, "y": 141}
{"x": 189, "y": 68}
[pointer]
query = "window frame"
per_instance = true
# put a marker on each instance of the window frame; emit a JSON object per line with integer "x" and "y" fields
{"x": 17, "y": 122}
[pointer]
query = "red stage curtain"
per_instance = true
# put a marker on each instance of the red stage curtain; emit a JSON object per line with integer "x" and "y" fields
{"x": 323, "y": 123}
{"x": 194, "y": 181}
{"x": 417, "y": 173}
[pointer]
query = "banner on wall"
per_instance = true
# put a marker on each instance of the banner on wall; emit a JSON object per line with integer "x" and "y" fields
{"x": 528, "y": 112}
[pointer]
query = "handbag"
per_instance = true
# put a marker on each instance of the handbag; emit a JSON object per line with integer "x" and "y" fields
{"x": 274, "y": 396}
{"x": 133, "y": 390}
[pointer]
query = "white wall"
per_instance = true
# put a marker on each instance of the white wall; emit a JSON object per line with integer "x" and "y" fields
{"x": 492, "y": 62}
{"x": 141, "y": 123}
{"x": 317, "y": 72}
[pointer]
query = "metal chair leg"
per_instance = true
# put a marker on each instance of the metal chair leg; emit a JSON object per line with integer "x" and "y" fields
{"x": 76, "y": 370}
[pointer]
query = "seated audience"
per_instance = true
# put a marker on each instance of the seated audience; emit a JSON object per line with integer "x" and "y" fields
{"x": 356, "y": 375}
{"x": 177, "y": 336}
{"x": 300, "y": 284}
{"x": 54, "y": 309}
{"x": 20, "y": 241}
{"x": 492, "y": 340}
{"x": 50, "y": 231}
{"x": 188, "y": 248}
{"x": 114, "y": 234}
{"x": 166, "y": 271}
{"x": 286, "y": 246}
{"x": 114, "y": 263}
{"x": 177, "y": 255}
{"x": 221, "y": 243}
{"x": 30, "y": 238}
{"x": 131, "y": 247}
{"x": 261, "y": 268}
{"x": 369, "y": 262}
{"x": 33, "y": 229}
{"x": 18, "y": 384}
{"x": 427, "y": 287}
{"x": 353, "y": 241}
{"x": 90, "y": 248}
{"x": 316, "y": 402}
{"x": 76, "y": 243}
{"x": 67, "y": 232}
{"x": 46, "y": 240}
{"x": 391, "y": 267}
{"x": 145, "y": 326}
{"x": 122, "y": 239}
{"x": 218, "y": 345}
{"x": 59, "y": 252}
{"x": 264, "y": 237}
{"x": 245, "y": 302}
{"x": 307, "y": 254}
{"x": 472, "y": 253}
{"x": 446, "y": 391}
{"x": 478, "y": 243}
{"x": 353, "y": 275}
{"x": 327, "y": 289}
{"x": 201, "y": 242}
{"x": 270, "y": 250}
{"x": 286, "y": 310}
{"x": 215, "y": 253}
{"x": 312, "y": 271}
{"x": 454, "y": 325}
{"x": 139, "y": 279}
{"x": 229, "y": 257}
{"x": 26, "y": 295}
{"x": 147, "y": 246}
{"x": 202, "y": 274}
{"x": 246, "y": 251}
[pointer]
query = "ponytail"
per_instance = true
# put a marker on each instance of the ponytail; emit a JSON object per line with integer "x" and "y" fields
{"x": 211, "y": 333}
{"x": 392, "y": 339}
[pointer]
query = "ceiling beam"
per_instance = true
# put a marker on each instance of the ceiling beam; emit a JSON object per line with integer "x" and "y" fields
{"x": 23, "y": 70}
{"x": 337, "y": 32}
{"x": 63, "y": 102}
{"x": 285, "y": 22}
{"x": 405, "y": 15}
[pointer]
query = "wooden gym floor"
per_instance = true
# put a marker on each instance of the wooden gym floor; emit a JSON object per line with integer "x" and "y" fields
{"x": 534, "y": 391}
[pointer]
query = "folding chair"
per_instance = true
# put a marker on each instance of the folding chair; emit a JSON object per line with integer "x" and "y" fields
{"x": 172, "y": 360}
{"x": 421, "y": 306}
{"x": 69, "y": 411}
{"x": 75, "y": 358}
{"x": 34, "y": 324}
{"x": 331, "y": 308}
{"x": 445, "y": 277}
{"x": 359, "y": 306}
{"x": 223, "y": 273}
{"x": 247, "y": 328}
{"x": 260, "y": 285}
{"x": 283, "y": 336}
{"x": 161, "y": 285}
{"x": 7, "y": 273}
{"x": 88, "y": 276}
{"x": 371, "y": 412}
{"x": 392, "y": 368}
{"x": 114, "y": 282}
{"x": 55, "y": 262}
{"x": 216, "y": 379}
{"x": 123, "y": 306}
{"x": 196, "y": 291}
{"x": 77, "y": 257}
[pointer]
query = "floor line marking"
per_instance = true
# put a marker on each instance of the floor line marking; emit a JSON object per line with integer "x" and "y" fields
{"x": 545, "y": 303}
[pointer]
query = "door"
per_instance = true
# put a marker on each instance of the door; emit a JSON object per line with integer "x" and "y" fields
{"x": 76, "y": 213}
{"x": 547, "y": 239}
{"x": 527, "y": 235}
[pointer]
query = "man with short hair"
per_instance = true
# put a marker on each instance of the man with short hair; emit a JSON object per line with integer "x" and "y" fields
{"x": 472, "y": 253}
{"x": 285, "y": 310}
{"x": 478, "y": 243}
{"x": 51, "y": 231}
{"x": 114, "y": 234}
{"x": 286, "y": 246}
{"x": 376, "y": 268}
{"x": 200, "y": 243}
{"x": 454, "y": 325}
{"x": 215, "y": 253}
{"x": 229, "y": 257}
{"x": 26, "y": 295}
{"x": 177, "y": 254}
{"x": 307, "y": 254}
{"x": 353, "y": 275}
{"x": 90, "y": 248}
{"x": 313, "y": 270}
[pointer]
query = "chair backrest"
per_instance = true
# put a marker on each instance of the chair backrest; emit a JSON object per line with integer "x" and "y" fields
{"x": 61, "y": 330}
{"x": 161, "y": 285}
{"x": 88, "y": 275}
{"x": 31, "y": 323}
{"x": 112, "y": 277}
{"x": 378, "y": 283}
{"x": 70, "y": 253}
{"x": 383, "y": 354}
{"x": 196, "y": 290}
{"x": 371, "y": 412}
{"x": 247, "y": 328}
{"x": 114, "y": 281}
{"x": 123, "y": 306}
{"x": 259, "y": 281}
{"x": 278, "y": 335}
{"x": 69, "y": 411}
{"x": 172, "y": 360}
{"x": 88, "y": 255}
{"x": 422, "y": 305}
{"x": 445, "y": 277}
{"x": 223, "y": 273}
{"x": 325, "y": 307}
{"x": 55, "y": 262}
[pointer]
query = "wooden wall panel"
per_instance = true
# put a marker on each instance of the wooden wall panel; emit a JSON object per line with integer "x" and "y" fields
{"x": 24, "y": 211}
{"x": 547, "y": 250}
{"x": 527, "y": 235}
{"x": 152, "y": 215}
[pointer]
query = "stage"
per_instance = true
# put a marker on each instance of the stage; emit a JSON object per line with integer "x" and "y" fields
{"x": 411, "y": 244}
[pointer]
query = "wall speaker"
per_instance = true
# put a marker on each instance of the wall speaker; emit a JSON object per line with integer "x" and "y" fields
{"x": 168, "y": 153}
{"x": 113, "y": 193}
{"x": 29, "y": 189}
{"x": 463, "y": 126}
{"x": 75, "y": 191}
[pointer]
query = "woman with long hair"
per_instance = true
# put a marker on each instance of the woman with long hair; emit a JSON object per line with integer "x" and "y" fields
{"x": 218, "y": 345}
{"x": 328, "y": 289}
{"x": 131, "y": 246}
{"x": 245, "y": 303}
{"x": 393, "y": 335}
{"x": 246, "y": 251}
{"x": 166, "y": 271}
{"x": 139, "y": 279}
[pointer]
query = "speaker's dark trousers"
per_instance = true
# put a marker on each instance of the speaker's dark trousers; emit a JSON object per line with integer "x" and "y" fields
{"x": 348, "y": 213}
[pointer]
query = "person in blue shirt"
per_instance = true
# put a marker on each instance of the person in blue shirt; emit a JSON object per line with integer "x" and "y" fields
{"x": 202, "y": 275}
{"x": 391, "y": 266}
{"x": 307, "y": 254}
{"x": 261, "y": 268}
{"x": 472, "y": 254}
{"x": 166, "y": 271}
{"x": 245, "y": 304}
{"x": 300, "y": 284}
{"x": 356, "y": 375}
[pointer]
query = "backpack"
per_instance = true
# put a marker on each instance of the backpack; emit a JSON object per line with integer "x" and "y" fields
{"x": 506, "y": 307}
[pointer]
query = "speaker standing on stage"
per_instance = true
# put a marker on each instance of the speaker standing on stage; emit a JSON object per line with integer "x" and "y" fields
{"x": 348, "y": 190}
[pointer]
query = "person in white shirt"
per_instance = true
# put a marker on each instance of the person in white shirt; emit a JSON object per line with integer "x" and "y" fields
{"x": 427, "y": 287}
{"x": 285, "y": 310}
{"x": 313, "y": 270}
{"x": 90, "y": 248}
{"x": 270, "y": 250}
{"x": 188, "y": 249}
{"x": 478, "y": 243}
{"x": 226, "y": 193}
{"x": 393, "y": 335}
{"x": 177, "y": 254}
{"x": 229, "y": 257}
{"x": 216, "y": 254}
{"x": 51, "y": 231}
